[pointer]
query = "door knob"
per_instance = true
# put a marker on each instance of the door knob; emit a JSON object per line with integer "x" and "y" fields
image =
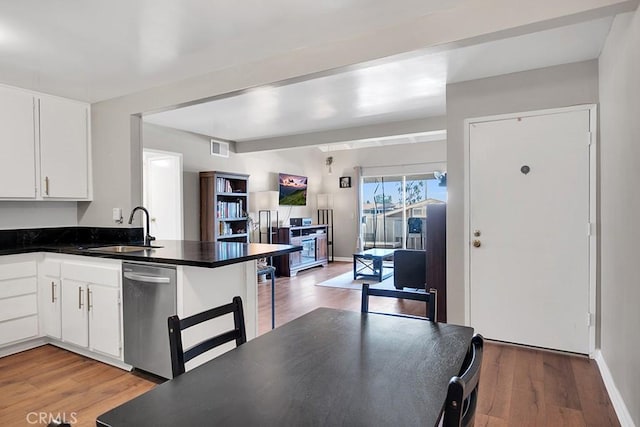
{"x": 477, "y": 243}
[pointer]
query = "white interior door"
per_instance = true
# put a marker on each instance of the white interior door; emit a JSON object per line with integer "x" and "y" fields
{"x": 163, "y": 193}
{"x": 529, "y": 211}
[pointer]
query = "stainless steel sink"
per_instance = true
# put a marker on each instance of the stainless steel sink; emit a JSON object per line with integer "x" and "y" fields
{"x": 123, "y": 248}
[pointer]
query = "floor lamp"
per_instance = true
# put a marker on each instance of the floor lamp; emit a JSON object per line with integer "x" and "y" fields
{"x": 325, "y": 217}
{"x": 265, "y": 203}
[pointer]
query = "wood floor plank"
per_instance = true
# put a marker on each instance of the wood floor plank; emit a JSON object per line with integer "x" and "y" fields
{"x": 528, "y": 407}
{"x": 482, "y": 420}
{"x": 560, "y": 385}
{"x": 594, "y": 400}
{"x": 565, "y": 417}
{"x": 497, "y": 381}
{"x": 519, "y": 386}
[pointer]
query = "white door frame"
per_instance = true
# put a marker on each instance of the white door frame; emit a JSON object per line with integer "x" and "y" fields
{"x": 591, "y": 141}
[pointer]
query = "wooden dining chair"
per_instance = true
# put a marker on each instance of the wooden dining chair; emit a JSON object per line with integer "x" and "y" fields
{"x": 430, "y": 298}
{"x": 179, "y": 356}
{"x": 462, "y": 395}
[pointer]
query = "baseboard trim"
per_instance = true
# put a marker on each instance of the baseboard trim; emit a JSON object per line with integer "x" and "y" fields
{"x": 92, "y": 355}
{"x": 342, "y": 259}
{"x": 22, "y": 346}
{"x": 614, "y": 394}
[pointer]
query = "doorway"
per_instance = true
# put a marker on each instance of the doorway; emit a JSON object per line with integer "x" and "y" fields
{"x": 530, "y": 226}
{"x": 162, "y": 193}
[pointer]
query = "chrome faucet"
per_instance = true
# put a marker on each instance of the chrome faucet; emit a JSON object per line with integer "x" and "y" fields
{"x": 148, "y": 238}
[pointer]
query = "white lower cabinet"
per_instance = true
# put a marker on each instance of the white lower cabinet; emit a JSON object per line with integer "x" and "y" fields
{"x": 91, "y": 308}
{"x": 18, "y": 298}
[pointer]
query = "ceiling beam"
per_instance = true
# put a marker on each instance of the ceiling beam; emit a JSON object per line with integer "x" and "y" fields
{"x": 380, "y": 130}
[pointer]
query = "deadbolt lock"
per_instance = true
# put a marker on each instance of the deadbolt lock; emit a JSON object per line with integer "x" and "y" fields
{"x": 477, "y": 243}
{"x": 476, "y": 233}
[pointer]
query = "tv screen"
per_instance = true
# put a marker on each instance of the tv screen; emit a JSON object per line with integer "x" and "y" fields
{"x": 293, "y": 190}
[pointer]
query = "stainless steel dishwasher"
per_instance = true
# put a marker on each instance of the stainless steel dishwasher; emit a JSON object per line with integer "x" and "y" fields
{"x": 149, "y": 298}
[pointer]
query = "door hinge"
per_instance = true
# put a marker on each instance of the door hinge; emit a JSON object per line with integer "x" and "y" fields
{"x": 589, "y": 138}
{"x": 591, "y": 318}
{"x": 589, "y": 228}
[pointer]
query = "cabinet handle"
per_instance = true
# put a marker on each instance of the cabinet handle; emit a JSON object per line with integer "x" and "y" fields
{"x": 80, "y": 298}
{"x": 46, "y": 185}
{"x": 89, "y": 304}
{"x": 53, "y": 291}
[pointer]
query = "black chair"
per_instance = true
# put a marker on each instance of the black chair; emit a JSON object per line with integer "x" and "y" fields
{"x": 58, "y": 423}
{"x": 414, "y": 226}
{"x": 409, "y": 268}
{"x": 430, "y": 298}
{"x": 462, "y": 395}
{"x": 176, "y": 325}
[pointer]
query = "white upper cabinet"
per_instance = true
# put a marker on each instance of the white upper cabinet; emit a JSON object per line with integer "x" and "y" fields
{"x": 45, "y": 148}
{"x": 17, "y": 144}
{"x": 64, "y": 155}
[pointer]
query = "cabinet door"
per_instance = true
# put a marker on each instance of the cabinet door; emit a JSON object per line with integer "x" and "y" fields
{"x": 295, "y": 258}
{"x": 17, "y": 145}
{"x": 64, "y": 149}
{"x": 50, "y": 307}
{"x": 321, "y": 247}
{"x": 104, "y": 319}
{"x": 75, "y": 327}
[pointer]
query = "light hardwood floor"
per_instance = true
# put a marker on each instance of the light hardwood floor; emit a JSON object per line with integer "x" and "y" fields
{"x": 519, "y": 386}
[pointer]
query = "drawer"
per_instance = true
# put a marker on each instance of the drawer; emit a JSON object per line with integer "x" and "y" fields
{"x": 49, "y": 268}
{"x": 88, "y": 273}
{"x": 15, "y": 287}
{"x": 18, "y": 329}
{"x": 16, "y": 270}
{"x": 11, "y": 308}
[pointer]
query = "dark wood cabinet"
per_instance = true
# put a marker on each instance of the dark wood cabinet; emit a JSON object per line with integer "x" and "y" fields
{"x": 312, "y": 238}
{"x": 436, "y": 246}
{"x": 224, "y": 198}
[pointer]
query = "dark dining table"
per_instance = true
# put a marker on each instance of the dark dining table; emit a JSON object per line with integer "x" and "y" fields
{"x": 326, "y": 368}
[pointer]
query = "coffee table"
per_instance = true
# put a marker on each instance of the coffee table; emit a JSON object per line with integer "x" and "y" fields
{"x": 368, "y": 264}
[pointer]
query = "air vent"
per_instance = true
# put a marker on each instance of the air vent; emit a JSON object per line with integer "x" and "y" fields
{"x": 219, "y": 148}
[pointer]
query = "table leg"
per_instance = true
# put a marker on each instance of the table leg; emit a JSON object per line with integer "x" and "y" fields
{"x": 273, "y": 299}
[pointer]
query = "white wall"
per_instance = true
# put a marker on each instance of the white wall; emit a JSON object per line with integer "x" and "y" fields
{"x": 620, "y": 207}
{"x": 37, "y": 214}
{"x": 540, "y": 89}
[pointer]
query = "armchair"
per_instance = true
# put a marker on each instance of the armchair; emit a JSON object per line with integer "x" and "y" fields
{"x": 409, "y": 268}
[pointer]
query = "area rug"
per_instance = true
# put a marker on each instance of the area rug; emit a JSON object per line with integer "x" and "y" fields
{"x": 346, "y": 281}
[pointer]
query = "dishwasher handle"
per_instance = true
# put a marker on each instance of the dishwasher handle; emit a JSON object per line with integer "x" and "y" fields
{"x": 148, "y": 279}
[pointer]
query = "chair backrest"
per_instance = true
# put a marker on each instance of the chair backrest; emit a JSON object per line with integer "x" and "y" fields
{"x": 414, "y": 225}
{"x": 420, "y": 295}
{"x": 176, "y": 325}
{"x": 462, "y": 395}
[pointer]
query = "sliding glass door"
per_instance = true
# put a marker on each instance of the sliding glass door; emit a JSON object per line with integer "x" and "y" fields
{"x": 394, "y": 209}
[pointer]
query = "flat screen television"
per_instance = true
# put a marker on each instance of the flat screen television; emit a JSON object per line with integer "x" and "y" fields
{"x": 293, "y": 190}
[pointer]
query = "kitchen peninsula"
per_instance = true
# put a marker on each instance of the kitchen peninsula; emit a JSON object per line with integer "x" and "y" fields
{"x": 64, "y": 286}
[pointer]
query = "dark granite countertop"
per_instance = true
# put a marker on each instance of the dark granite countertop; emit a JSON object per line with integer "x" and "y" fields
{"x": 178, "y": 252}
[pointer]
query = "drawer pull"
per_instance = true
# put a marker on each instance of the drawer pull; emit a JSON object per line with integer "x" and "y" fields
{"x": 80, "y": 298}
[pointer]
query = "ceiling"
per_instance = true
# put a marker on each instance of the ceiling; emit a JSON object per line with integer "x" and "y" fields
{"x": 403, "y": 88}
{"x": 93, "y": 50}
